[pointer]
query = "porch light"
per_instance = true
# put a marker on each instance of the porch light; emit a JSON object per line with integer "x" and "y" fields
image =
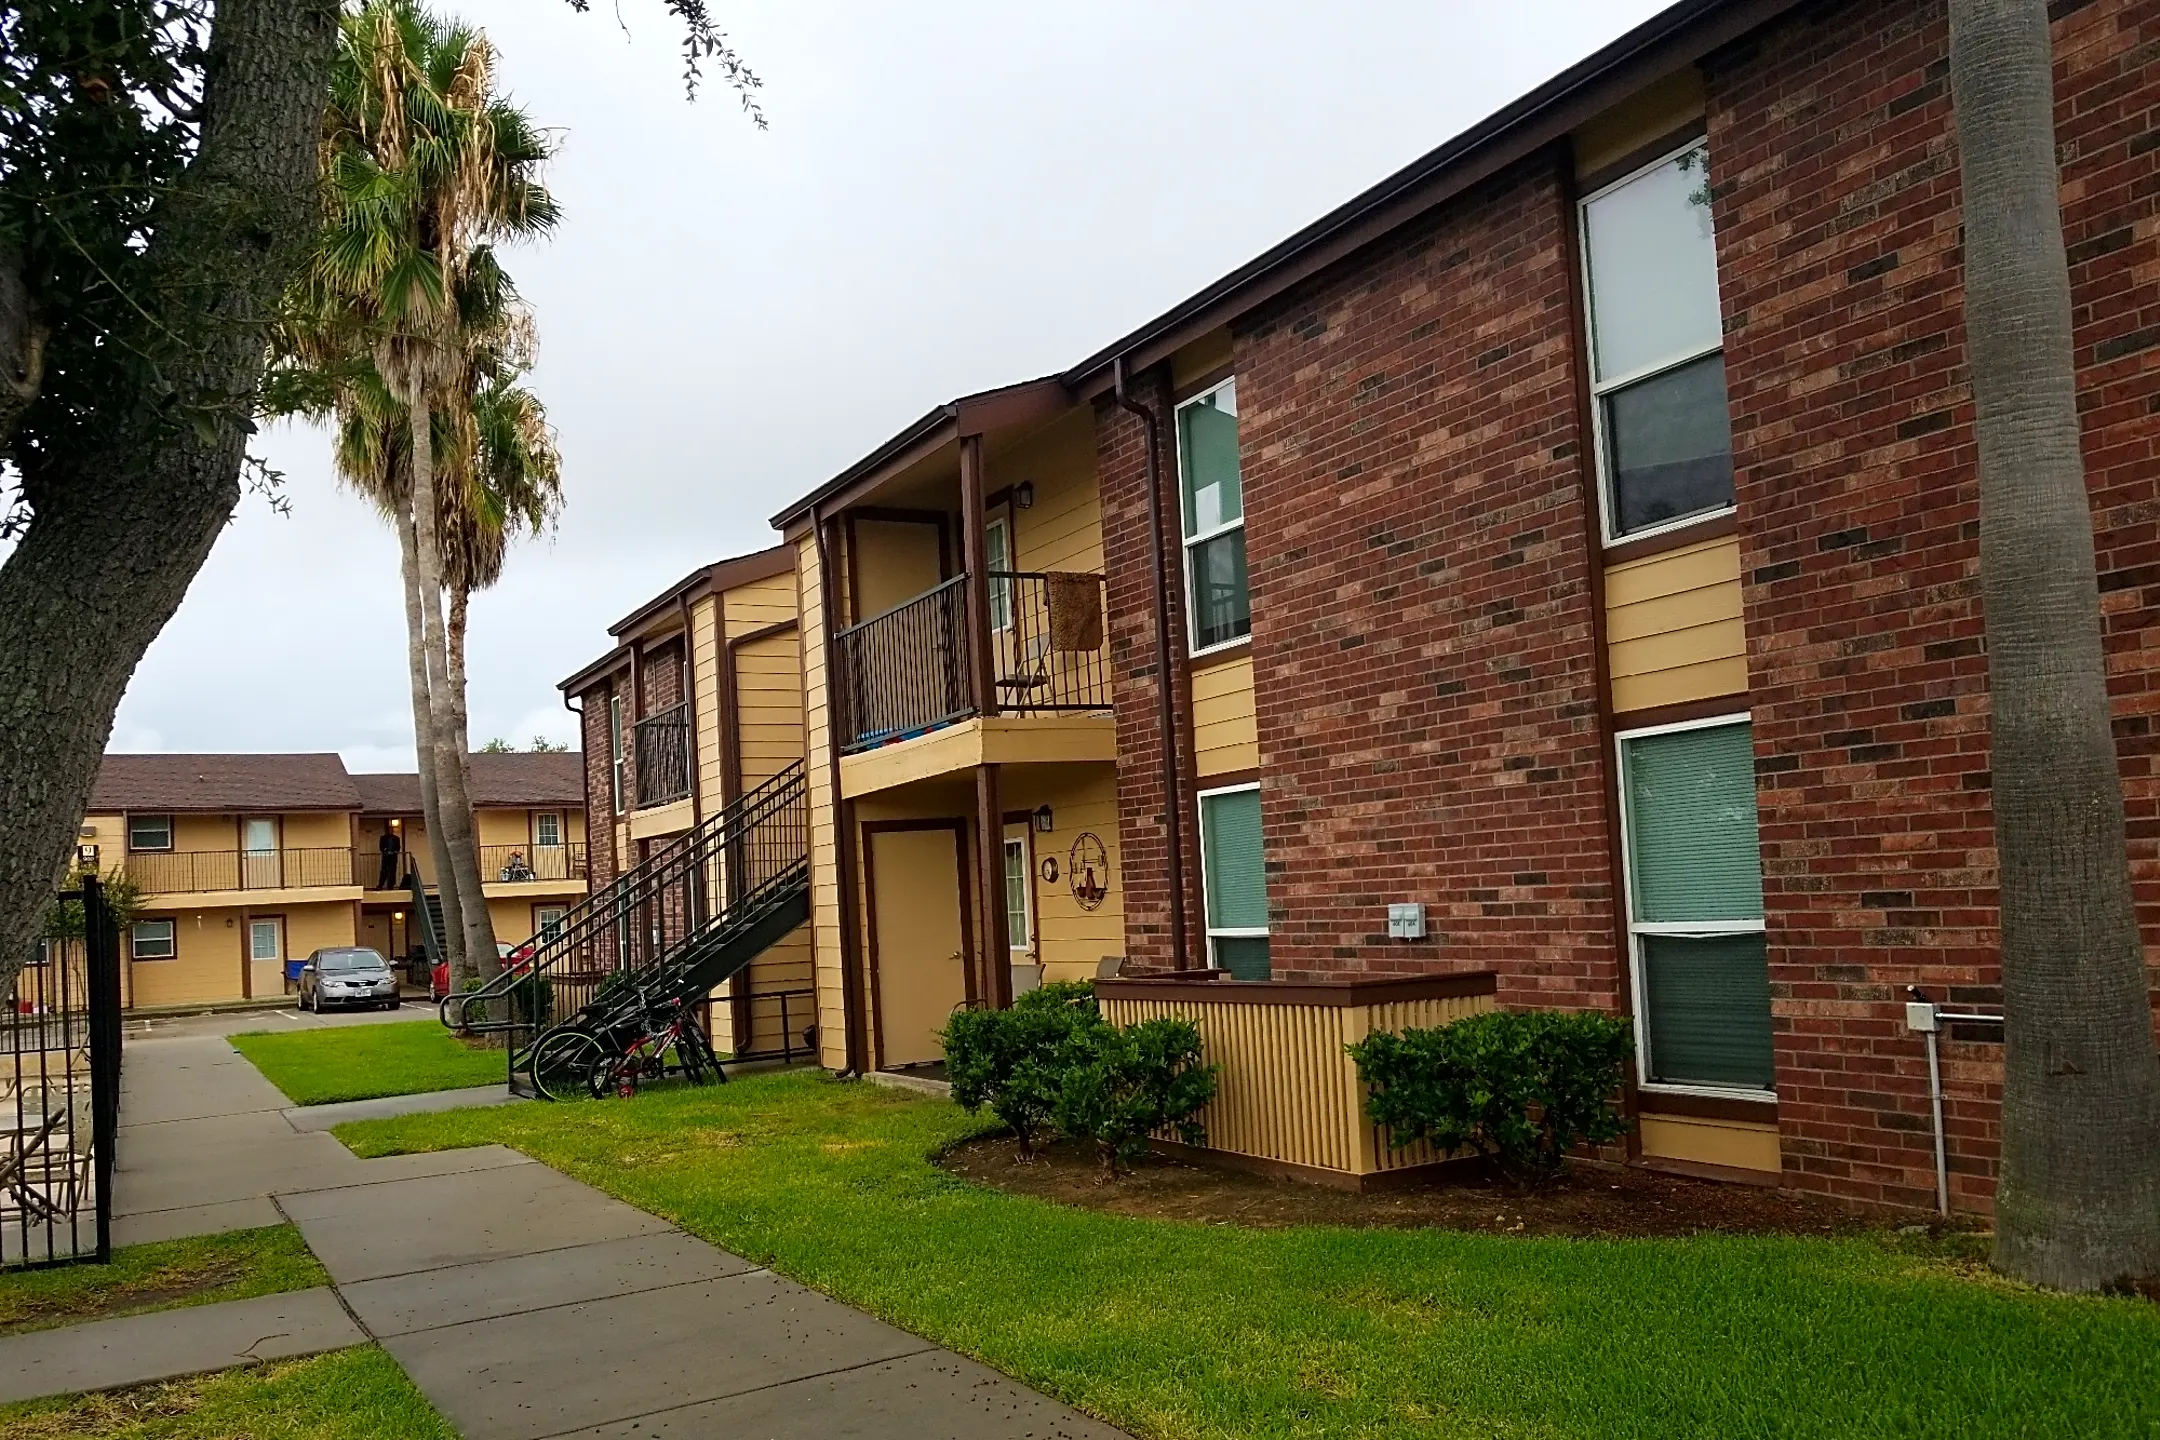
{"x": 398, "y": 916}
{"x": 396, "y": 824}
{"x": 1024, "y": 495}
{"x": 1043, "y": 821}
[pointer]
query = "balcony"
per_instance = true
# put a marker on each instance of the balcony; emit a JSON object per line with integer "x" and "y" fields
{"x": 202, "y": 872}
{"x": 905, "y": 673}
{"x": 662, "y": 747}
{"x": 532, "y": 864}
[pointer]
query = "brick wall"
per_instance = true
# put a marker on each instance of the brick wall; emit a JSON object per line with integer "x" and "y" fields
{"x": 1423, "y": 636}
{"x": 660, "y": 675}
{"x": 599, "y": 789}
{"x": 1121, "y": 468}
{"x": 1837, "y": 208}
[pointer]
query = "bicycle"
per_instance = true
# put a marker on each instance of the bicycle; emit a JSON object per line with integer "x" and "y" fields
{"x": 645, "y": 1056}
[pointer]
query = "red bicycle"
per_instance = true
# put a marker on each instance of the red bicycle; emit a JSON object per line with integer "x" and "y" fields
{"x": 645, "y": 1057}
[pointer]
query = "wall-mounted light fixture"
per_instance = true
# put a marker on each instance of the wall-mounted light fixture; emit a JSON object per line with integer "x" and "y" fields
{"x": 1043, "y": 821}
{"x": 396, "y": 824}
{"x": 1024, "y": 495}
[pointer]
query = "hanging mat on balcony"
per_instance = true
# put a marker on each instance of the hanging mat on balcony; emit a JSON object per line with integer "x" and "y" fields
{"x": 1075, "y": 602}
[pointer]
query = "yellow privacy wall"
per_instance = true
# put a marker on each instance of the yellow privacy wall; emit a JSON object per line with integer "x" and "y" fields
{"x": 1672, "y": 625}
{"x": 1226, "y": 737}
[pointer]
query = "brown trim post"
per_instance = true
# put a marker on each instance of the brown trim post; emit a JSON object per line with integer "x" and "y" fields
{"x": 689, "y": 700}
{"x": 843, "y": 816}
{"x": 996, "y": 985}
{"x": 974, "y": 547}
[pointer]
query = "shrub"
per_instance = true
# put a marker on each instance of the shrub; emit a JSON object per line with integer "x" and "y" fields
{"x": 1120, "y": 1084}
{"x": 1522, "y": 1087}
{"x": 1008, "y": 1060}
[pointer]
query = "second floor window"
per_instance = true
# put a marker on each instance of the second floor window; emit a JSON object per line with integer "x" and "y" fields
{"x": 1657, "y": 361}
{"x": 1213, "y": 500}
{"x": 547, "y": 829}
{"x": 615, "y": 751}
{"x": 149, "y": 832}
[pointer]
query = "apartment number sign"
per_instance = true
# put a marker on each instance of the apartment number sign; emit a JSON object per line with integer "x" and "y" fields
{"x": 1088, "y": 866}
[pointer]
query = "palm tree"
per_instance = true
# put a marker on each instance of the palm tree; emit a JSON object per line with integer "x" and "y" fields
{"x": 2078, "y": 1201}
{"x": 423, "y": 165}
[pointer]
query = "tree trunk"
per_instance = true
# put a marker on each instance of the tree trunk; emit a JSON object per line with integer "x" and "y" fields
{"x": 2078, "y": 1202}
{"x": 453, "y": 796}
{"x": 453, "y": 927}
{"x": 123, "y": 523}
{"x": 22, "y": 343}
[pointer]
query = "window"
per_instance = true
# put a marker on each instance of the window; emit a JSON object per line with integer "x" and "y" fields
{"x": 266, "y": 940}
{"x": 1695, "y": 907}
{"x": 1019, "y": 928}
{"x": 547, "y": 828}
{"x": 616, "y": 777}
{"x": 149, "y": 832}
{"x": 547, "y": 921}
{"x": 997, "y": 556}
{"x": 1657, "y": 363}
{"x": 1236, "y": 881}
{"x": 152, "y": 940}
{"x": 1214, "y": 508}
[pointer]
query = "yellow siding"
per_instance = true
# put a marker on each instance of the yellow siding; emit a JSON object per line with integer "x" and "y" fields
{"x": 705, "y": 652}
{"x": 1287, "y": 1091}
{"x": 503, "y": 827}
{"x": 314, "y": 927}
{"x": 759, "y": 604}
{"x": 1062, "y": 530}
{"x": 1731, "y": 1143}
{"x": 209, "y": 952}
{"x": 313, "y": 830}
{"x": 824, "y": 874}
{"x": 1226, "y": 737}
{"x": 1204, "y": 356}
{"x": 1644, "y": 118}
{"x": 1070, "y": 941}
{"x": 1673, "y": 627}
{"x": 205, "y": 832}
{"x": 893, "y": 561}
{"x": 769, "y": 705}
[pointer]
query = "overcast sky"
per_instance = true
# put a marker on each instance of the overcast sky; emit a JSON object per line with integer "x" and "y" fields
{"x": 952, "y": 196}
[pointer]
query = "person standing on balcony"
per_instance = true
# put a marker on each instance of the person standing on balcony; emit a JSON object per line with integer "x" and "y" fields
{"x": 392, "y": 846}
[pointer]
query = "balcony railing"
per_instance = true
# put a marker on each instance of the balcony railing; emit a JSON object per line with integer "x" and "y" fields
{"x": 905, "y": 672}
{"x": 531, "y": 864}
{"x": 192, "y": 872}
{"x": 663, "y": 756}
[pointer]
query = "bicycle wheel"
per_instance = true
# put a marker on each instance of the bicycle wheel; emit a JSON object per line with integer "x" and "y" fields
{"x": 563, "y": 1063}
{"x": 697, "y": 1056}
{"x": 615, "y": 1074}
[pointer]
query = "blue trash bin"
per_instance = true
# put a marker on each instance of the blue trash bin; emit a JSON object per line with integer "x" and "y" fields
{"x": 292, "y": 972}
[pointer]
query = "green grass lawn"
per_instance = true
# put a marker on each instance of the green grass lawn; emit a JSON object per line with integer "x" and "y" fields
{"x": 166, "y": 1275}
{"x": 362, "y": 1062}
{"x": 1179, "y": 1331}
{"x": 357, "y": 1394}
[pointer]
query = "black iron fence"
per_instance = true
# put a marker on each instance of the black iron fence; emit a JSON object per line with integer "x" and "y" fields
{"x": 530, "y": 863}
{"x": 663, "y": 756}
{"x": 194, "y": 872}
{"x": 774, "y": 1025}
{"x": 60, "y": 1089}
{"x": 905, "y": 672}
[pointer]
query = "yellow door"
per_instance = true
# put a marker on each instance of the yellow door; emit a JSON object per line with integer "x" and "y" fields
{"x": 921, "y": 971}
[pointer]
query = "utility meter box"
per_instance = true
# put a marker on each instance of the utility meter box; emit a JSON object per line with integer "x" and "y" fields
{"x": 1406, "y": 922}
{"x": 1920, "y": 1017}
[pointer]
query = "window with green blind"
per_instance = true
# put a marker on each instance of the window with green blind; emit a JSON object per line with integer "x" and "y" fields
{"x": 1695, "y": 911}
{"x": 1213, "y": 504}
{"x": 1235, "y": 876}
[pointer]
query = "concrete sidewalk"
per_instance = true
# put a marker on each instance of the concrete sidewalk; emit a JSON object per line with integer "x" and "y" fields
{"x": 523, "y": 1303}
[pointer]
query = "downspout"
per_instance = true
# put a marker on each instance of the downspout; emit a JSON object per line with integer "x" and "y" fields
{"x": 1166, "y": 716}
{"x": 586, "y": 765}
{"x": 842, "y": 821}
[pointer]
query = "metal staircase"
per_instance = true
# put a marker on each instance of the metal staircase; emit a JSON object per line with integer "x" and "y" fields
{"x": 685, "y": 921}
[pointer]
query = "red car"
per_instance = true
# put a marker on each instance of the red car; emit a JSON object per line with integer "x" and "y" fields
{"x": 512, "y": 957}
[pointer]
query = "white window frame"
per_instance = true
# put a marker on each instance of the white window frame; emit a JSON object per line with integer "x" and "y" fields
{"x": 540, "y": 914}
{"x": 1600, "y": 388}
{"x": 1685, "y": 929}
{"x": 540, "y": 839}
{"x": 1024, "y": 942}
{"x": 277, "y": 931}
{"x": 1193, "y": 648}
{"x": 616, "y": 753}
{"x": 1001, "y": 591}
{"x": 166, "y": 848}
{"x": 1206, "y": 923}
{"x": 172, "y": 939}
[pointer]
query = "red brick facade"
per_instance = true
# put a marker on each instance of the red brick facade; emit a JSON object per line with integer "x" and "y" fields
{"x": 605, "y": 865}
{"x": 1425, "y": 591}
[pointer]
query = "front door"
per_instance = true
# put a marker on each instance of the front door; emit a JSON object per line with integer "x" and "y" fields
{"x": 266, "y": 955}
{"x": 916, "y": 926}
{"x": 259, "y": 853}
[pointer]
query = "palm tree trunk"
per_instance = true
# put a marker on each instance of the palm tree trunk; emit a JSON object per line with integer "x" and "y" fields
{"x": 453, "y": 936}
{"x": 452, "y": 795}
{"x": 2078, "y": 1202}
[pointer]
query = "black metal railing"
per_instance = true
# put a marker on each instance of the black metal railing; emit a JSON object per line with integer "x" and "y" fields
{"x": 195, "y": 872}
{"x": 905, "y": 672}
{"x": 775, "y": 1025}
{"x": 528, "y": 864}
{"x": 60, "y": 1088}
{"x": 662, "y": 763}
{"x": 653, "y": 918}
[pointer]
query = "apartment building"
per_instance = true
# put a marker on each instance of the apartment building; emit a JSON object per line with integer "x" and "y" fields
{"x": 244, "y": 862}
{"x": 1568, "y": 556}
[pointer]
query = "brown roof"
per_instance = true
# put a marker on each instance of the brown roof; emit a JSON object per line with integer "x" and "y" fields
{"x": 516, "y": 781}
{"x": 157, "y": 783}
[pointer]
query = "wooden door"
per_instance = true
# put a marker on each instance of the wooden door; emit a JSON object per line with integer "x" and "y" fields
{"x": 917, "y": 932}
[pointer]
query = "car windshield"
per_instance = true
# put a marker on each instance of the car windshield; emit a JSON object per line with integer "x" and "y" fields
{"x": 338, "y": 962}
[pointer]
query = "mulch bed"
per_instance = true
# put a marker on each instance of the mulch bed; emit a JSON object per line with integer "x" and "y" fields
{"x": 1612, "y": 1201}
